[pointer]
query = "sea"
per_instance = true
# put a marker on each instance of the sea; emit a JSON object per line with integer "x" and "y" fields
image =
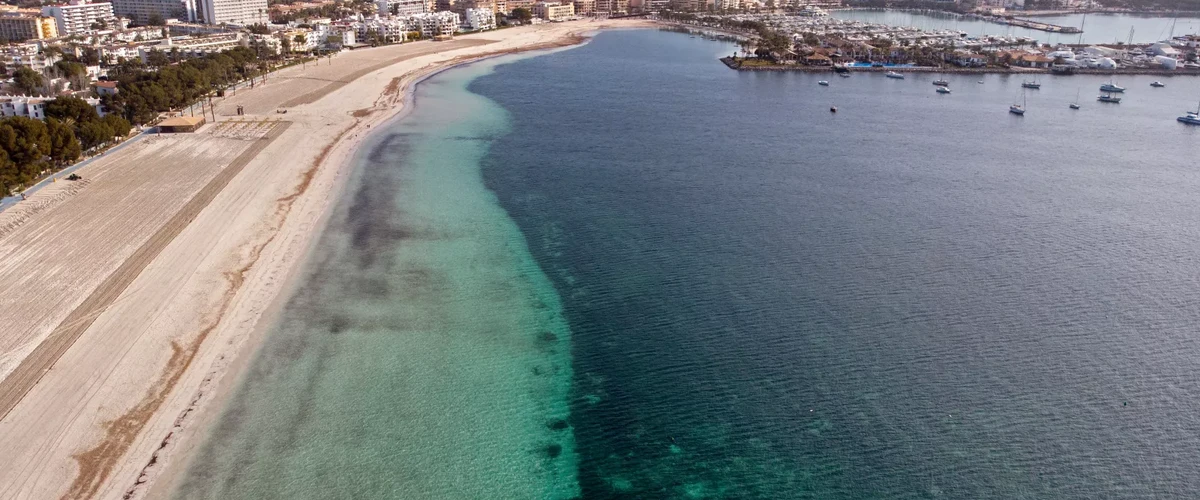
{"x": 1097, "y": 28}
{"x": 625, "y": 271}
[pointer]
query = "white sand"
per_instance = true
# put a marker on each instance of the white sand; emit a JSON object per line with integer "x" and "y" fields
{"x": 118, "y": 413}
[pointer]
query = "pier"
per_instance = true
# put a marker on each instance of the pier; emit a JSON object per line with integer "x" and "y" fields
{"x": 1031, "y": 24}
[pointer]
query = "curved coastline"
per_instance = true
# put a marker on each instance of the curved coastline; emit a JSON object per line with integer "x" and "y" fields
{"x": 398, "y": 103}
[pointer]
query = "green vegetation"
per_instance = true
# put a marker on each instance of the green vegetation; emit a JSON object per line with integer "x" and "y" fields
{"x": 28, "y": 81}
{"x": 29, "y": 147}
{"x": 521, "y": 14}
{"x": 144, "y": 94}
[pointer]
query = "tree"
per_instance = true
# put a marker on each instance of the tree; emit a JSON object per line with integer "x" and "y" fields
{"x": 156, "y": 19}
{"x": 157, "y": 59}
{"x": 28, "y": 81}
{"x": 521, "y": 14}
{"x": 117, "y": 125}
{"x": 64, "y": 146}
{"x": 95, "y": 133}
{"x": 72, "y": 109}
{"x": 259, "y": 29}
{"x": 26, "y": 141}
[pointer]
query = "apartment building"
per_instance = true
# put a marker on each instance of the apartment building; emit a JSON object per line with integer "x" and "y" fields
{"x": 35, "y": 107}
{"x": 143, "y": 11}
{"x": 403, "y": 7}
{"x": 612, "y": 7}
{"x": 21, "y": 26}
{"x": 553, "y": 11}
{"x": 479, "y": 19}
{"x": 585, "y": 7}
{"x": 78, "y": 18}
{"x": 238, "y": 12}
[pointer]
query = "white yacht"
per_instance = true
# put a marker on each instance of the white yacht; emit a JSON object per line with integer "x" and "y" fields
{"x": 893, "y": 74}
{"x": 1192, "y": 117}
{"x": 823, "y": 83}
{"x": 1157, "y": 84}
{"x": 1018, "y": 109}
{"x": 943, "y": 90}
{"x": 1110, "y": 87}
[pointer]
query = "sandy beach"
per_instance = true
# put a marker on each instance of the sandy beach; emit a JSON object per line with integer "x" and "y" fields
{"x": 133, "y": 297}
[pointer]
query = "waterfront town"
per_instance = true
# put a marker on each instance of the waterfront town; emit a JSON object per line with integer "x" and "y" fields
{"x": 91, "y": 73}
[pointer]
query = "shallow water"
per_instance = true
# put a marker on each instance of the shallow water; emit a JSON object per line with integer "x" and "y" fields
{"x": 630, "y": 272}
{"x": 424, "y": 354}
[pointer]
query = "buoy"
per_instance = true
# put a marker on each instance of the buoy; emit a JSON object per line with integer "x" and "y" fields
{"x": 833, "y": 109}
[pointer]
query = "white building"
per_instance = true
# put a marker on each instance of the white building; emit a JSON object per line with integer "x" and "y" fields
{"x": 479, "y": 19}
{"x": 239, "y": 12}
{"x": 35, "y": 107}
{"x": 142, "y": 11}
{"x": 432, "y": 24}
{"x": 402, "y": 7}
{"x": 76, "y": 19}
{"x": 196, "y": 47}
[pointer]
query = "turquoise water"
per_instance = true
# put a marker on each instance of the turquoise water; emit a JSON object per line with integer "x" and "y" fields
{"x": 424, "y": 354}
{"x": 625, "y": 271}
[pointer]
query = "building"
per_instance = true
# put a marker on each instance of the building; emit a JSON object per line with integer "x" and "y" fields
{"x": 78, "y": 19}
{"x": 177, "y": 28}
{"x": 181, "y": 124}
{"x": 35, "y": 107}
{"x": 553, "y": 11}
{"x": 432, "y": 24}
{"x": 39, "y": 62}
{"x": 403, "y": 7}
{"x": 197, "y": 46}
{"x": 144, "y": 11}
{"x": 585, "y": 7}
{"x": 239, "y": 12}
{"x": 106, "y": 88}
{"x": 612, "y": 7}
{"x": 479, "y": 19}
{"x": 21, "y": 26}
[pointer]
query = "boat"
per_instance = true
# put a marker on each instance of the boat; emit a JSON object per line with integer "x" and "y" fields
{"x": 1110, "y": 87}
{"x": 1018, "y": 109}
{"x": 1031, "y": 85}
{"x": 1109, "y": 98}
{"x": 1075, "y": 104}
{"x": 1157, "y": 84}
{"x": 893, "y": 74}
{"x": 833, "y": 109}
{"x": 823, "y": 83}
{"x": 844, "y": 75}
{"x": 1192, "y": 117}
{"x": 941, "y": 83}
{"x": 943, "y": 90}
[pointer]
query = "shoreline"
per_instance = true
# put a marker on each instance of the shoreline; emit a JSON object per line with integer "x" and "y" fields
{"x": 398, "y": 103}
{"x": 734, "y": 65}
{"x": 131, "y": 400}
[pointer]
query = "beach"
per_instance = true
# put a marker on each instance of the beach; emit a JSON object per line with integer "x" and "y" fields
{"x": 135, "y": 296}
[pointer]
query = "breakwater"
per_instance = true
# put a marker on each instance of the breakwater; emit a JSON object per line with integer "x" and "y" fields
{"x": 738, "y": 64}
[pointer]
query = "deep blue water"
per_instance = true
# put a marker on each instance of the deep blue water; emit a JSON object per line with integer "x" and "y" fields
{"x": 920, "y": 296}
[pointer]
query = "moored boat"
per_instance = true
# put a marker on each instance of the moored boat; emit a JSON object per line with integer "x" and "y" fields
{"x": 1109, "y": 98}
{"x": 943, "y": 90}
{"x": 1110, "y": 87}
{"x": 1157, "y": 84}
{"x": 823, "y": 83}
{"x": 1031, "y": 85}
{"x": 893, "y": 74}
{"x": 941, "y": 83}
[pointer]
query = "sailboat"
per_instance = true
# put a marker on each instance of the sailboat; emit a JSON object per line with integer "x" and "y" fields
{"x": 1018, "y": 109}
{"x": 1192, "y": 117}
{"x": 1075, "y": 103}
